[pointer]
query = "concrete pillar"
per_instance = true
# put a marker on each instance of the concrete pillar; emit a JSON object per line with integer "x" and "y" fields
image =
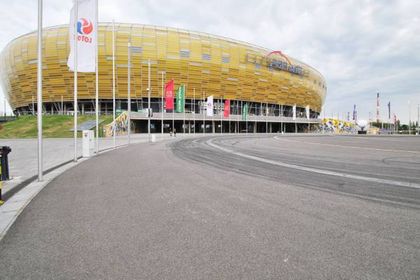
{"x": 255, "y": 127}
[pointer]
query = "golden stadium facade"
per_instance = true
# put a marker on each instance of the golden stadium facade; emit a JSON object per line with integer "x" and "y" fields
{"x": 269, "y": 82}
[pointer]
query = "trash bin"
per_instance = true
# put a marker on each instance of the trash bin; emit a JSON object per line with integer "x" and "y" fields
{"x": 4, "y": 162}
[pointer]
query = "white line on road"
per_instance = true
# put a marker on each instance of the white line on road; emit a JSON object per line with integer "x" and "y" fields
{"x": 316, "y": 170}
{"x": 351, "y": 147}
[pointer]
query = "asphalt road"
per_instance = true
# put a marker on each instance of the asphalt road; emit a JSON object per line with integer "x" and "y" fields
{"x": 233, "y": 207}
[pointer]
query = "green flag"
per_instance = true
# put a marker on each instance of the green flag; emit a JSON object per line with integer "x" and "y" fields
{"x": 180, "y": 99}
{"x": 245, "y": 112}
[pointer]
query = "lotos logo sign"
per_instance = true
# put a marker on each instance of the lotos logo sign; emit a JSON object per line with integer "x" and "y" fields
{"x": 84, "y": 26}
{"x": 84, "y": 29}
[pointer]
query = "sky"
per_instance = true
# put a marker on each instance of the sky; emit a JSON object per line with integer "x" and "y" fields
{"x": 361, "y": 47}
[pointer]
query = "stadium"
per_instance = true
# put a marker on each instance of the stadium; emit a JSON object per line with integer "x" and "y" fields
{"x": 279, "y": 92}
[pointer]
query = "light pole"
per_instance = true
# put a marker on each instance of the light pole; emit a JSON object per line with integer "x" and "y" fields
{"x": 114, "y": 128}
{"x": 39, "y": 90}
{"x": 130, "y": 50}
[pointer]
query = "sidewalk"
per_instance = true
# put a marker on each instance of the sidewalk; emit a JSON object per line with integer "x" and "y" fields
{"x": 23, "y": 160}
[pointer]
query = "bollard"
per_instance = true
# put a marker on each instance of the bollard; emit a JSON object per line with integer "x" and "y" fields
{"x": 4, "y": 152}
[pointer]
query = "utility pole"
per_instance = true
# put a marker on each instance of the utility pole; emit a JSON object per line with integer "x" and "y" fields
{"x": 409, "y": 117}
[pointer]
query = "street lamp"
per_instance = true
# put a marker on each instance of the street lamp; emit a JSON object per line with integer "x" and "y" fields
{"x": 131, "y": 49}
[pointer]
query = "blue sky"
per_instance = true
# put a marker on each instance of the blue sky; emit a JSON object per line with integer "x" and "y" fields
{"x": 361, "y": 47}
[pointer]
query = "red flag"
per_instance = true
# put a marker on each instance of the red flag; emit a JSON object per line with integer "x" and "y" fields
{"x": 226, "y": 112}
{"x": 169, "y": 95}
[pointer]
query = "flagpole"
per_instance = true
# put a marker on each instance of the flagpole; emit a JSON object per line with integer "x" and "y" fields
{"x": 194, "y": 109}
{"x": 221, "y": 116}
{"x": 173, "y": 116}
{"x": 39, "y": 90}
{"x": 97, "y": 81}
{"x": 129, "y": 92}
{"x": 183, "y": 126}
{"x": 75, "y": 78}
{"x": 162, "y": 106}
{"x": 205, "y": 113}
{"x": 148, "y": 99}
{"x": 114, "y": 128}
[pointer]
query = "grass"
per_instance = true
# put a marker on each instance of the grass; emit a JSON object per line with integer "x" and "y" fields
{"x": 53, "y": 126}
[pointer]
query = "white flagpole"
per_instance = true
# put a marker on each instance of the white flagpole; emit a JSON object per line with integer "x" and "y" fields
{"x": 205, "y": 113}
{"x": 76, "y": 8}
{"x": 39, "y": 90}
{"x": 129, "y": 92}
{"x": 114, "y": 128}
{"x": 161, "y": 124}
{"x": 148, "y": 98}
{"x": 173, "y": 119}
{"x": 183, "y": 126}
{"x": 97, "y": 80}
{"x": 221, "y": 115}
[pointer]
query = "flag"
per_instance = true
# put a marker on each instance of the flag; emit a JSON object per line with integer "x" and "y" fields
{"x": 389, "y": 110}
{"x": 180, "y": 99}
{"x": 87, "y": 32}
{"x": 226, "y": 111}
{"x": 245, "y": 112}
{"x": 209, "y": 106}
{"x": 294, "y": 112}
{"x": 169, "y": 95}
{"x": 308, "y": 112}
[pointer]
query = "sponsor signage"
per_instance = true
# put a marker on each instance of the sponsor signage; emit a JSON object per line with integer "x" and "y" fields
{"x": 275, "y": 63}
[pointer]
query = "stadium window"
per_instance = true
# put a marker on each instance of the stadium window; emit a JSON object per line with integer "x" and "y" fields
{"x": 205, "y": 56}
{"x": 225, "y": 59}
{"x": 184, "y": 53}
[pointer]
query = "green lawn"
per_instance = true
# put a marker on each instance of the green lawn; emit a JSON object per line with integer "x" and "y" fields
{"x": 53, "y": 126}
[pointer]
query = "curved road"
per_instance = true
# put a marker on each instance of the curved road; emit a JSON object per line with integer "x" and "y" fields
{"x": 232, "y": 207}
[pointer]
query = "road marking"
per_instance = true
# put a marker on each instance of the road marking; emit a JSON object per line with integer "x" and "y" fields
{"x": 351, "y": 147}
{"x": 316, "y": 170}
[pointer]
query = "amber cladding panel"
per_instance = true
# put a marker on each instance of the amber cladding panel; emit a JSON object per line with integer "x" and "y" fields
{"x": 211, "y": 65}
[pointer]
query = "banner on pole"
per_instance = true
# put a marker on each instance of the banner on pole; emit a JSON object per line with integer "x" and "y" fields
{"x": 294, "y": 112}
{"x": 209, "y": 106}
{"x": 169, "y": 95}
{"x": 226, "y": 111}
{"x": 245, "y": 112}
{"x": 389, "y": 110}
{"x": 87, "y": 33}
{"x": 180, "y": 99}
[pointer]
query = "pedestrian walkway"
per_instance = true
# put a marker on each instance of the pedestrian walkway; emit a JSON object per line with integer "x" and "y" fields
{"x": 23, "y": 160}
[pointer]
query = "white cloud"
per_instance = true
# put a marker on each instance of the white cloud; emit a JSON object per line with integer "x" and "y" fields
{"x": 361, "y": 47}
